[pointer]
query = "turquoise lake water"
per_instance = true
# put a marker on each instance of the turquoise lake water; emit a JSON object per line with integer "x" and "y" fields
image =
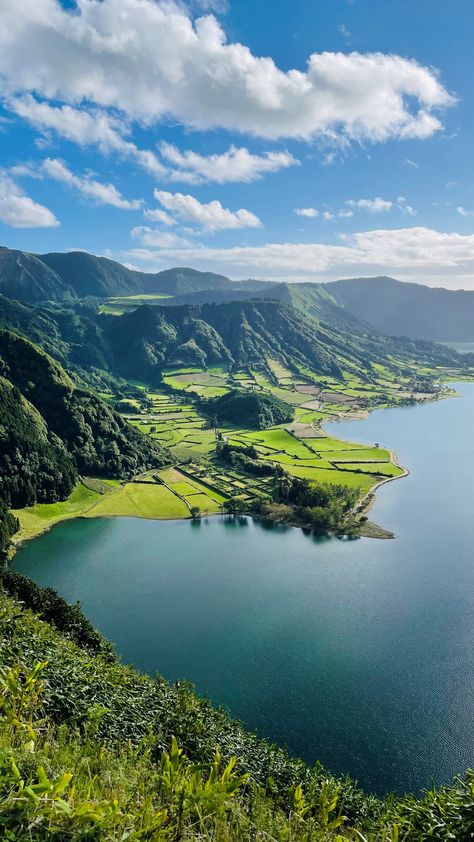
{"x": 358, "y": 653}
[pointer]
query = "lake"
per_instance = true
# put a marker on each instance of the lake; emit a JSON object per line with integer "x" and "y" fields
{"x": 358, "y": 653}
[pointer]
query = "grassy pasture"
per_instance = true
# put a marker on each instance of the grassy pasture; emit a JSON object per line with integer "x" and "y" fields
{"x": 119, "y": 304}
{"x": 39, "y": 518}
{"x": 385, "y": 469}
{"x": 140, "y": 500}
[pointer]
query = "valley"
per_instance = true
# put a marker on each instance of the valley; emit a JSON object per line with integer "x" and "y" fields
{"x": 174, "y": 430}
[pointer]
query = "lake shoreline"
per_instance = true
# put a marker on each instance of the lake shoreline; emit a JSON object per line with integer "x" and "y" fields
{"x": 367, "y": 529}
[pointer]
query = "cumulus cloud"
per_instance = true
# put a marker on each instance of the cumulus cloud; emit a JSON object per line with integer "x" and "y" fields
{"x": 20, "y": 211}
{"x": 311, "y": 213}
{"x": 159, "y": 215}
{"x": 211, "y": 216}
{"x": 236, "y": 164}
{"x": 109, "y": 134}
{"x": 86, "y": 128}
{"x": 102, "y": 194}
{"x": 158, "y": 239}
{"x": 377, "y": 205}
{"x": 419, "y": 253}
{"x": 463, "y": 212}
{"x": 151, "y": 60}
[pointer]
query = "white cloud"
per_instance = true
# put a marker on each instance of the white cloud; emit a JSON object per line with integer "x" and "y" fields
{"x": 109, "y": 134}
{"x": 102, "y": 194}
{"x": 158, "y": 215}
{"x": 328, "y": 216}
{"x": 343, "y": 30}
{"x": 410, "y": 163}
{"x": 377, "y": 205}
{"x": 406, "y": 209}
{"x": 20, "y": 211}
{"x": 309, "y": 212}
{"x": 422, "y": 254}
{"x": 151, "y": 60}
{"x": 211, "y": 216}
{"x": 158, "y": 239}
{"x": 451, "y": 184}
{"x": 463, "y": 212}
{"x": 236, "y": 164}
{"x": 86, "y": 128}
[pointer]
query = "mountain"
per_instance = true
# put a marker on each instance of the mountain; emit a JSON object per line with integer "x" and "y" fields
{"x": 25, "y": 277}
{"x": 50, "y": 430}
{"x": 183, "y": 280}
{"x": 140, "y": 344}
{"x": 313, "y": 300}
{"x": 65, "y": 276}
{"x": 45, "y": 471}
{"x": 406, "y": 309}
{"x": 91, "y": 275}
{"x": 242, "y": 333}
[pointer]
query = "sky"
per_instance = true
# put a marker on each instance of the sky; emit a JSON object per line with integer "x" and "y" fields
{"x": 302, "y": 141}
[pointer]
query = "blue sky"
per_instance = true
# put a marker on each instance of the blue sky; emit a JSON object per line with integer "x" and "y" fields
{"x": 289, "y": 141}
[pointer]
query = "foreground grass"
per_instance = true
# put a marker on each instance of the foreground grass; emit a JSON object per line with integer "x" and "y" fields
{"x": 91, "y": 749}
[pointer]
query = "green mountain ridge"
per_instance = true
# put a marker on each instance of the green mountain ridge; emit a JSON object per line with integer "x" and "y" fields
{"x": 65, "y": 276}
{"x": 26, "y": 277}
{"x": 391, "y": 307}
{"x": 143, "y": 342}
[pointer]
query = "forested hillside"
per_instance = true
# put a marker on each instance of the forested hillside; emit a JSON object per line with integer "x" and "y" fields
{"x": 141, "y": 343}
{"x": 389, "y": 306}
{"x": 51, "y": 431}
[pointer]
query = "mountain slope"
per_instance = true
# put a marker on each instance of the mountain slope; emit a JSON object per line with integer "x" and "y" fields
{"x": 64, "y": 276}
{"x": 405, "y": 309}
{"x": 34, "y": 463}
{"x": 71, "y": 426}
{"x": 243, "y": 333}
{"x": 141, "y": 343}
{"x": 27, "y": 278}
{"x": 92, "y": 275}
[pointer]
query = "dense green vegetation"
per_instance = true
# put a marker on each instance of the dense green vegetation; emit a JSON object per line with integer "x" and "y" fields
{"x": 260, "y": 409}
{"x": 34, "y": 463}
{"x": 90, "y": 749}
{"x": 51, "y": 431}
{"x": 98, "y": 439}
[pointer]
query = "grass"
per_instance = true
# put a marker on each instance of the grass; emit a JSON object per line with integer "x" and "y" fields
{"x": 140, "y": 500}
{"x": 176, "y": 423}
{"x": 385, "y": 469}
{"x": 87, "y": 751}
{"x": 120, "y": 304}
{"x": 39, "y": 518}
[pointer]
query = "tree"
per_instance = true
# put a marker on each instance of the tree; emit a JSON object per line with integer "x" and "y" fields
{"x": 195, "y": 512}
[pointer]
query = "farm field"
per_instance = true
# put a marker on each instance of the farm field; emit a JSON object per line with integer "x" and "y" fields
{"x": 300, "y": 447}
{"x": 120, "y": 304}
{"x": 175, "y": 416}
